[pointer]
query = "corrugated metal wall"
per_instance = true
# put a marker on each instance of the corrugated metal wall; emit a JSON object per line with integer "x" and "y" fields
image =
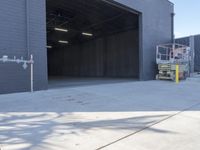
{"x": 156, "y": 27}
{"x": 113, "y": 56}
{"x": 12, "y": 43}
{"x": 16, "y": 30}
{"x": 20, "y": 32}
{"x": 183, "y": 41}
{"x": 194, "y": 43}
{"x": 197, "y": 53}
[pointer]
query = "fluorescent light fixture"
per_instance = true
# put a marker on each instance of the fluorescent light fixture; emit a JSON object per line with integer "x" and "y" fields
{"x": 49, "y": 46}
{"x": 87, "y": 34}
{"x": 60, "y": 29}
{"x": 64, "y": 42}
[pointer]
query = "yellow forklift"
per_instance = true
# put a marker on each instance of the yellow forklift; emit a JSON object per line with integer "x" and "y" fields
{"x": 171, "y": 58}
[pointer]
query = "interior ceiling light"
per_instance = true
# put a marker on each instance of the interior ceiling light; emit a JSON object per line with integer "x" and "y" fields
{"x": 87, "y": 34}
{"x": 60, "y": 29}
{"x": 49, "y": 46}
{"x": 64, "y": 42}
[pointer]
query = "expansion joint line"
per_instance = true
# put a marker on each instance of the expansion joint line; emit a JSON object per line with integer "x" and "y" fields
{"x": 147, "y": 127}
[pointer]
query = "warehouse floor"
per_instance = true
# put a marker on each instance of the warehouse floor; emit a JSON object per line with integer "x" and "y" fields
{"x": 152, "y": 115}
{"x": 65, "y": 82}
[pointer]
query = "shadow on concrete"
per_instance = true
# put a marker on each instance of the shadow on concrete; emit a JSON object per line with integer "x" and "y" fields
{"x": 35, "y": 129}
{"x": 34, "y": 118}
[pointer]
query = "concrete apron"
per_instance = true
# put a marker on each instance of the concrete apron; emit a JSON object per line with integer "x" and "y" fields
{"x": 111, "y": 116}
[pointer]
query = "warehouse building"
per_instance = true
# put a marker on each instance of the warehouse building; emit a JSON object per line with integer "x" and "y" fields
{"x": 81, "y": 38}
{"x": 194, "y": 43}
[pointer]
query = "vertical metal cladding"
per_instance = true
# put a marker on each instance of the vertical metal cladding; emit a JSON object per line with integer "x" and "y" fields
{"x": 197, "y": 53}
{"x": 155, "y": 28}
{"x": 22, "y": 34}
{"x": 13, "y": 77}
{"x": 194, "y": 43}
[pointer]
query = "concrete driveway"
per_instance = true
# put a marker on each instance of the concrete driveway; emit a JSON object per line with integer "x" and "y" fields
{"x": 152, "y": 115}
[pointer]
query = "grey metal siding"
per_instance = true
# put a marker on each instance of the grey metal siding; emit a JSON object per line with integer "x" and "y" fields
{"x": 194, "y": 43}
{"x": 12, "y": 43}
{"x": 197, "y": 53}
{"x": 188, "y": 41}
{"x": 22, "y": 35}
{"x": 156, "y": 28}
{"x": 37, "y": 38}
{"x": 14, "y": 37}
{"x": 183, "y": 41}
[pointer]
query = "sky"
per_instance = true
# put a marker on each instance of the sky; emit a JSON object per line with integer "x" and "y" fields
{"x": 187, "y": 17}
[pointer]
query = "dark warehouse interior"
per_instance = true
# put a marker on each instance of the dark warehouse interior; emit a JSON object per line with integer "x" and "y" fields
{"x": 91, "y": 39}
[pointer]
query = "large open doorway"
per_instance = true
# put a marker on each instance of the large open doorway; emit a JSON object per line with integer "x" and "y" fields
{"x": 91, "y": 40}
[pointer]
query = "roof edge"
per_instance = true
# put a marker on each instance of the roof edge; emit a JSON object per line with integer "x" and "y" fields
{"x": 170, "y": 2}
